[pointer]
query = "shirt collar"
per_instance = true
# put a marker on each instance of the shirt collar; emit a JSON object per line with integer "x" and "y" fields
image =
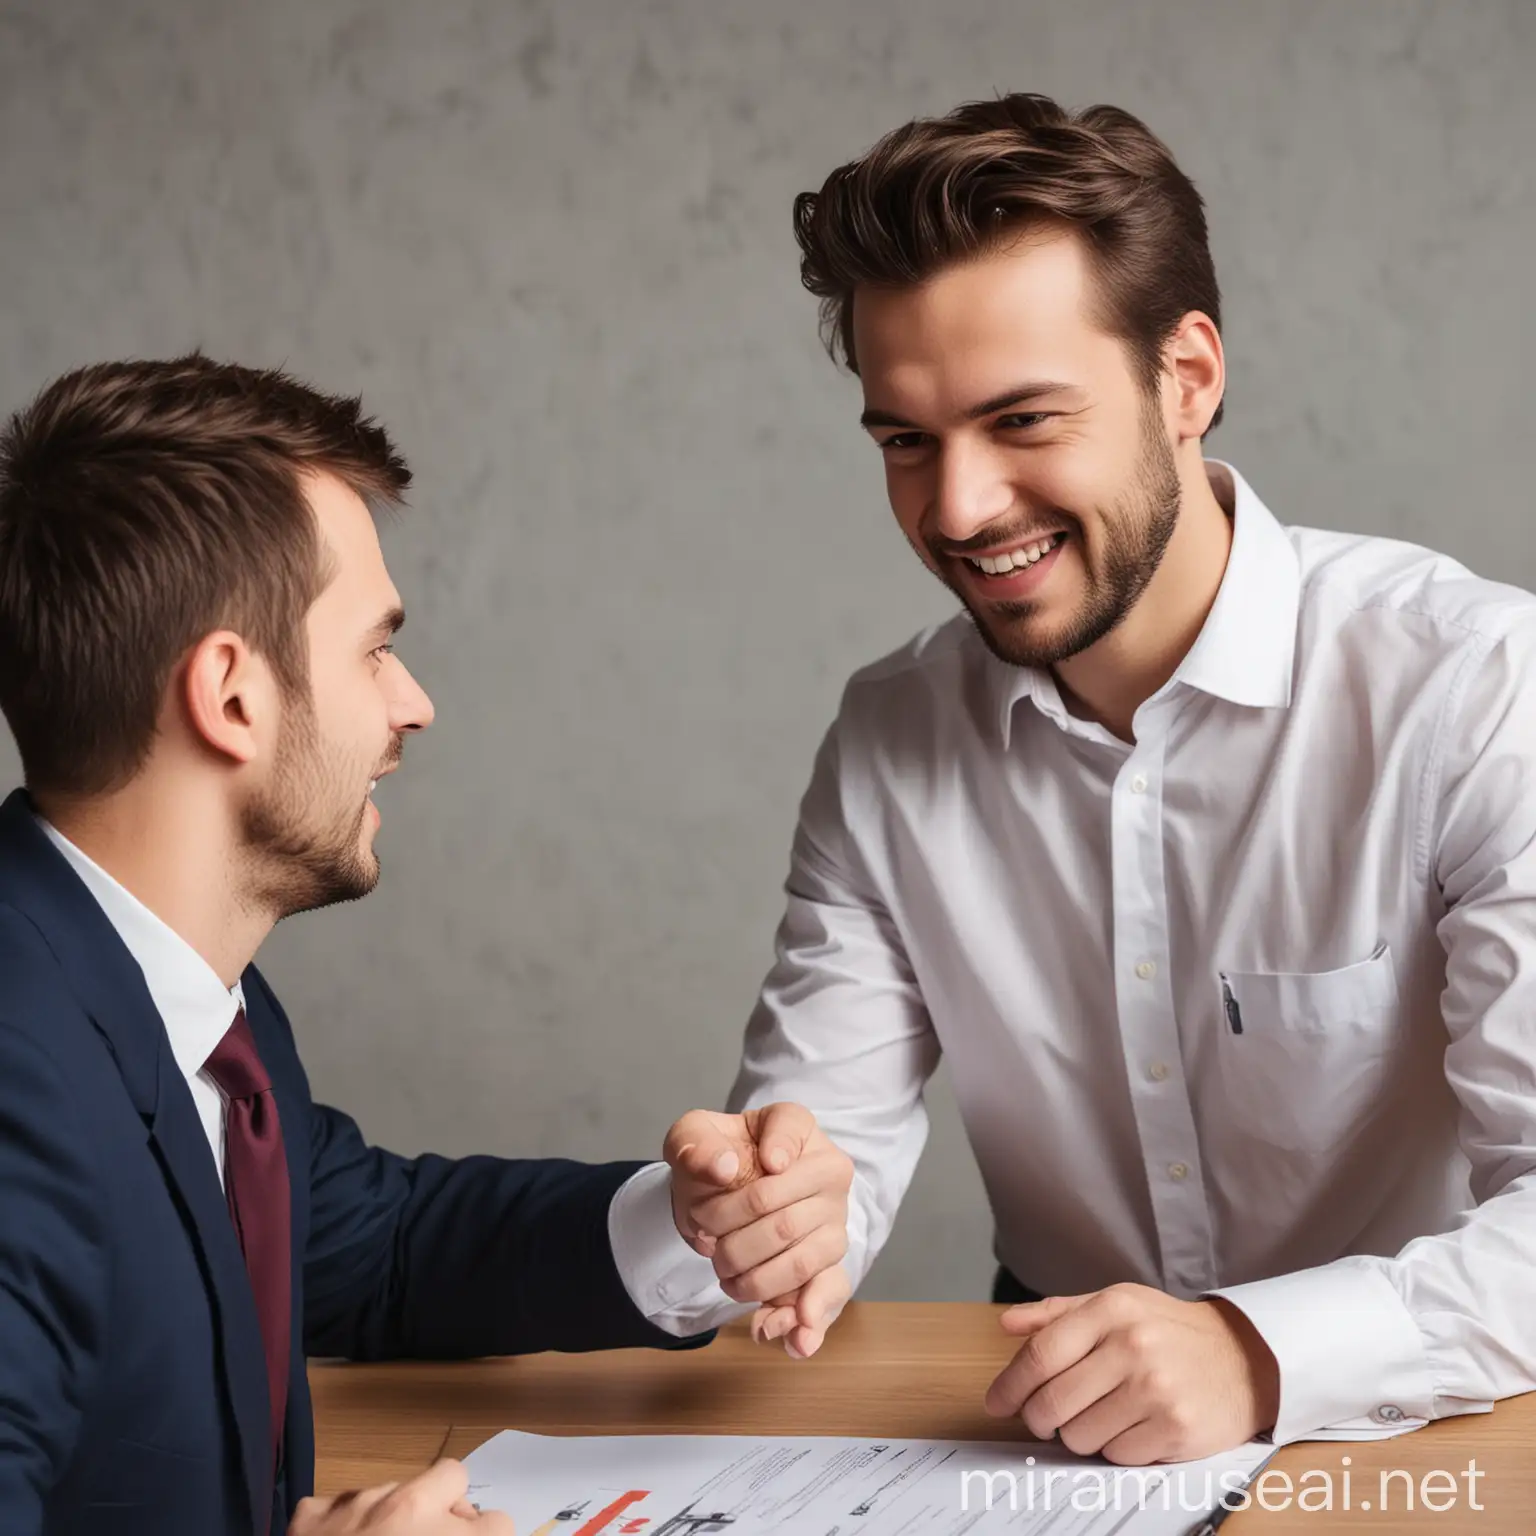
{"x": 1246, "y": 649}
{"x": 194, "y": 1005}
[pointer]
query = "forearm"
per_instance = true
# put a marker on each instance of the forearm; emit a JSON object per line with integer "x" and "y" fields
{"x": 1372, "y": 1345}
{"x": 840, "y": 1028}
{"x": 479, "y": 1256}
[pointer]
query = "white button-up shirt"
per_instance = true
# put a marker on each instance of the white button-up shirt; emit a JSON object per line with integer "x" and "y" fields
{"x": 1247, "y": 1006}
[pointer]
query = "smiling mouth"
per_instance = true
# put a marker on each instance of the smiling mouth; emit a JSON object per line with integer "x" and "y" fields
{"x": 1020, "y": 558}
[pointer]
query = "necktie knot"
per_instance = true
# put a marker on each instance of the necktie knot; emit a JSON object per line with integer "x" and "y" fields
{"x": 235, "y": 1066}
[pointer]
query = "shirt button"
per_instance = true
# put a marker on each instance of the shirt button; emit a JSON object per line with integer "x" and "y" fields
{"x": 1158, "y": 1071}
{"x": 1178, "y": 1171}
{"x": 1139, "y": 784}
{"x": 1389, "y": 1413}
{"x": 1146, "y": 970}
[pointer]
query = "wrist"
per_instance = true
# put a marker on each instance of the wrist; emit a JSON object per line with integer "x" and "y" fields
{"x": 1261, "y": 1369}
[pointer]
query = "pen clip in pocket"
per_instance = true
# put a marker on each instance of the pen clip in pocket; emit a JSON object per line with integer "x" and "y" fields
{"x": 1229, "y": 1005}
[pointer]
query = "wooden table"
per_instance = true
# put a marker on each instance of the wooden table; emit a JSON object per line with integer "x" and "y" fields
{"x": 888, "y": 1368}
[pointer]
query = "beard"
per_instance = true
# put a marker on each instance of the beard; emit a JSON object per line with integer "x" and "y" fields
{"x": 1135, "y": 535}
{"x": 303, "y": 832}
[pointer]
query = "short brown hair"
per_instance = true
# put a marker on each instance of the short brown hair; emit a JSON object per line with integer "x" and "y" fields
{"x": 144, "y": 505}
{"x": 940, "y": 190}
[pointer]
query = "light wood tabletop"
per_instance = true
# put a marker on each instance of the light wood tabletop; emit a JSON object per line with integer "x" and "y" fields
{"x": 908, "y": 1369}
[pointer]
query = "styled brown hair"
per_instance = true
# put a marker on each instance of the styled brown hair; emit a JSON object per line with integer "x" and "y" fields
{"x": 940, "y": 190}
{"x": 144, "y": 505}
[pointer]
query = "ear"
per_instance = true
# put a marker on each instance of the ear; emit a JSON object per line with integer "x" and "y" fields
{"x": 230, "y": 696}
{"x": 1197, "y": 369}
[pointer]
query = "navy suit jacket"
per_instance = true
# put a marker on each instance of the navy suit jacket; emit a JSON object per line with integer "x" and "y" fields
{"x": 133, "y": 1396}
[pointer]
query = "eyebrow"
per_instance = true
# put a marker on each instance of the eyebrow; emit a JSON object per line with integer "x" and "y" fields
{"x": 390, "y": 624}
{"x": 1020, "y": 394}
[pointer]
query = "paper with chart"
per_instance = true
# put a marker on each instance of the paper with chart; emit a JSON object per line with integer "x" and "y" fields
{"x": 745, "y": 1485}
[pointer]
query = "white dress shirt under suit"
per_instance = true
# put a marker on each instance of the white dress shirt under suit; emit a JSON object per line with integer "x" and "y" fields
{"x": 1246, "y": 1006}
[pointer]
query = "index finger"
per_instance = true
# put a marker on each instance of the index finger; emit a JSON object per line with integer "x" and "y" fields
{"x": 1055, "y": 1348}
{"x": 1028, "y": 1317}
{"x": 436, "y": 1490}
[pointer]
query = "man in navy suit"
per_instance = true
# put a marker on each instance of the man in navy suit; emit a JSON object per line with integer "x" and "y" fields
{"x": 196, "y": 663}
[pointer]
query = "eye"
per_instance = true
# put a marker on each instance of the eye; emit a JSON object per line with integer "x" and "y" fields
{"x": 380, "y": 652}
{"x": 904, "y": 440}
{"x": 1021, "y": 420}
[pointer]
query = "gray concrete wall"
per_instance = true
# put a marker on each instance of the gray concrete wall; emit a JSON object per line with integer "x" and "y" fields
{"x": 551, "y": 246}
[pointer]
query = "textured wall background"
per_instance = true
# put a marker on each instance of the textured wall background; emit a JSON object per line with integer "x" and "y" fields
{"x": 550, "y": 243}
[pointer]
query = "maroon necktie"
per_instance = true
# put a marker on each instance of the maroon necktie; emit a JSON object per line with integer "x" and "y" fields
{"x": 256, "y": 1186}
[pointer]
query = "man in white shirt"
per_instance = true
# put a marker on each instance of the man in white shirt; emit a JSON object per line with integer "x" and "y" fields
{"x": 1203, "y": 847}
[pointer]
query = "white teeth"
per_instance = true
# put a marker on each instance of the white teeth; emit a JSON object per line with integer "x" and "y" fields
{"x": 1016, "y": 559}
{"x": 373, "y": 784}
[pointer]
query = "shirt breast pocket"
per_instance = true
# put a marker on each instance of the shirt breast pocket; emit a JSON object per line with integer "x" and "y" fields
{"x": 1304, "y": 1055}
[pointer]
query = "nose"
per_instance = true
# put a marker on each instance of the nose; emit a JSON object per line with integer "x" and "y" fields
{"x": 409, "y": 707}
{"x": 972, "y": 490}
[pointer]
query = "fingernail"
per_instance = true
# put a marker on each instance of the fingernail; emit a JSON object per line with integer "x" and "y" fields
{"x": 727, "y": 1164}
{"x": 774, "y": 1159}
{"x": 707, "y": 1243}
{"x": 790, "y": 1350}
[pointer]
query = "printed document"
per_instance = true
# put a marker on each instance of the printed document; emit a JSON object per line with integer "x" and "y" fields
{"x": 748, "y": 1485}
